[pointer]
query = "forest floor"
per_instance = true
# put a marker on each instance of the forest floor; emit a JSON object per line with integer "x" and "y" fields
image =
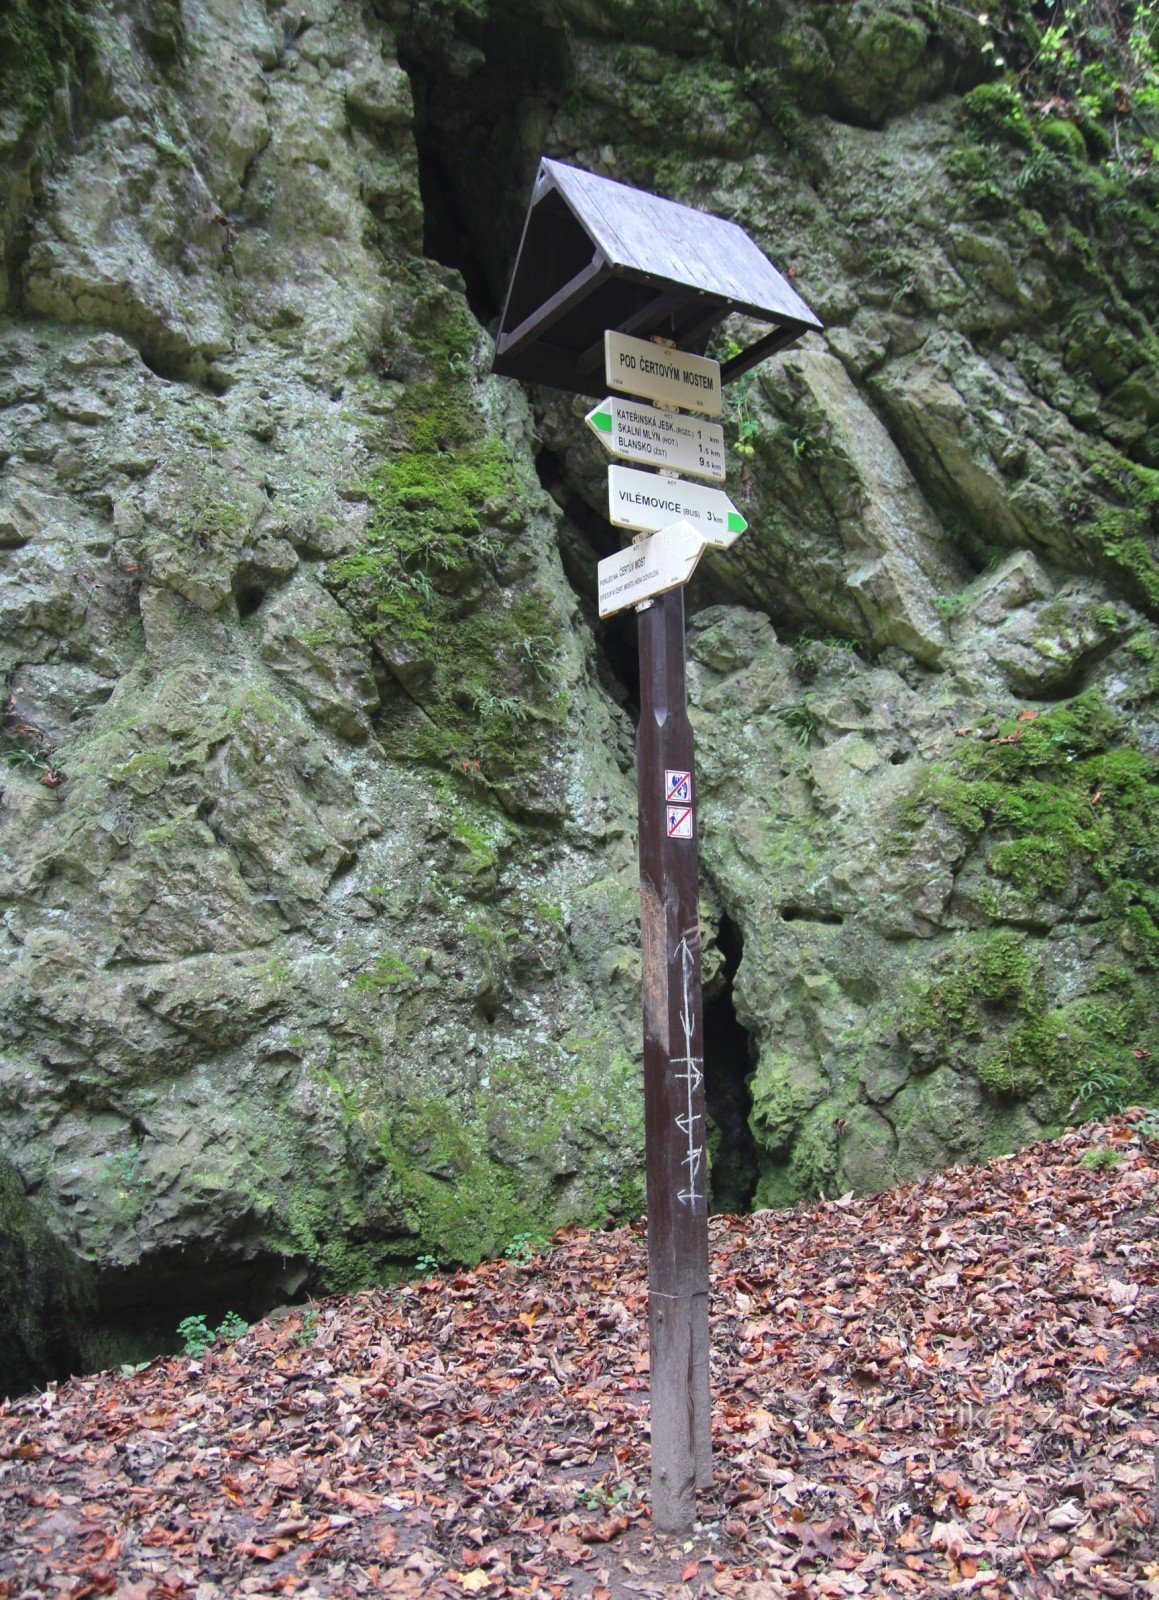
{"x": 949, "y": 1388}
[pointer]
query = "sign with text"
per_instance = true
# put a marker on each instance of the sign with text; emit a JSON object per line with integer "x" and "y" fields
{"x": 648, "y": 502}
{"x": 647, "y": 568}
{"x": 659, "y": 438}
{"x": 671, "y": 377}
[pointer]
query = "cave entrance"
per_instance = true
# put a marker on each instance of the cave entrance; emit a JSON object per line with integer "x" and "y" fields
{"x": 485, "y": 88}
{"x": 728, "y": 1068}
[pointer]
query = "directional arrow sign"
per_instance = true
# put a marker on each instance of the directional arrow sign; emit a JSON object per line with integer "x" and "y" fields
{"x": 649, "y": 502}
{"x": 673, "y": 377}
{"x": 648, "y": 567}
{"x": 661, "y": 438}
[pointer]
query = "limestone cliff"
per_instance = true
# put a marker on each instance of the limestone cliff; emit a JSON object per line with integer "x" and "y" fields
{"x": 316, "y": 826}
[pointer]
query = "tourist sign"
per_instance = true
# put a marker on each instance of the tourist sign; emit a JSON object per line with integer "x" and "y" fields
{"x": 649, "y": 567}
{"x": 660, "y": 438}
{"x": 672, "y": 377}
{"x": 648, "y": 502}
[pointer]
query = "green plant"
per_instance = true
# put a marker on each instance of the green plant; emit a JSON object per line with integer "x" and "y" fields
{"x": 1094, "y": 64}
{"x": 426, "y": 1264}
{"x": 804, "y": 444}
{"x": 1149, "y": 1127}
{"x": 800, "y": 721}
{"x": 520, "y": 1251}
{"x": 232, "y": 1327}
{"x": 197, "y": 1336}
{"x": 602, "y": 1497}
{"x": 948, "y": 605}
{"x": 747, "y": 426}
{"x": 1101, "y": 1086}
{"x": 307, "y": 1329}
{"x": 1101, "y": 1156}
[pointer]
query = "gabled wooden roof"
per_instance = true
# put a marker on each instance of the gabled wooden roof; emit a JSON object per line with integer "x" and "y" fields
{"x": 596, "y": 254}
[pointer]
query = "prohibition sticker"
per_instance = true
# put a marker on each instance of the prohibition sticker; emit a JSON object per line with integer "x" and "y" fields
{"x": 679, "y": 822}
{"x": 677, "y": 786}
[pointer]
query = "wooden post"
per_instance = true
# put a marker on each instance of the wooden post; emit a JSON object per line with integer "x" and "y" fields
{"x": 675, "y": 1150}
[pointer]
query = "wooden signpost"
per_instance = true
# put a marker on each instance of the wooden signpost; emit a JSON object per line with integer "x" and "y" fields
{"x": 676, "y": 1154}
{"x": 595, "y": 252}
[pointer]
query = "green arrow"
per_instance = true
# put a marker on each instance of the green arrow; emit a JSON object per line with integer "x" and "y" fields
{"x": 736, "y": 523}
{"x": 602, "y": 420}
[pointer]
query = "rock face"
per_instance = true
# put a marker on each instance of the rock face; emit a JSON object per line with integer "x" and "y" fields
{"x": 316, "y": 825}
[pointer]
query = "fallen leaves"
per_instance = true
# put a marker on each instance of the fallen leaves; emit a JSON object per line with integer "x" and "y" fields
{"x": 952, "y": 1387}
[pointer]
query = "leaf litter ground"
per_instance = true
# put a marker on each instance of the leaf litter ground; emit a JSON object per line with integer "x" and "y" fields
{"x": 949, "y": 1388}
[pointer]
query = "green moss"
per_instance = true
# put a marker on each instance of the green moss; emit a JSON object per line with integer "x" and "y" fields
{"x": 987, "y": 1005}
{"x": 1020, "y": 1060}
{"x": 784, "y": 1089}
{"x": 1061, "y": 135}
{"x": 997, "y": 111}
{"x": 1118, "y": 529}
{"x": 40, "y": 41}
{"x": 477, "y": 839}
{"x": 463, "y": 1204}
{"x": 988, "y": 972}
{"x": 440, "y": 324}
{"x": 324, "y": 1234}
{"x": 388, "y": 972}
{"x": 423, "y": 581}
{"x": 811, "y": 1165}
{"x": 1060, "y": 801}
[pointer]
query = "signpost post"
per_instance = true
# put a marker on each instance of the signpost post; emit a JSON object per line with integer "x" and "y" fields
{"x": 676, "y": 1157}
{"x": 675, "y": 1149}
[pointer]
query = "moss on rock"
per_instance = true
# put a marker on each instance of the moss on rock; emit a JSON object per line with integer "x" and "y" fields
{"x": 40, "y": 41}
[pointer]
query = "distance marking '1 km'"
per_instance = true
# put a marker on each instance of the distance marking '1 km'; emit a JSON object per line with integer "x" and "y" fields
{"x": 673, "y": 377}
{"x": 677, "y": 787}
{"x": 647, "y": 501}
{"x": 678, "y": 821}
{"x": 659, "y": 438}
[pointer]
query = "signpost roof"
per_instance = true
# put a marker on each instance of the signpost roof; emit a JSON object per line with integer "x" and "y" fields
{"x": 596, "y": 254}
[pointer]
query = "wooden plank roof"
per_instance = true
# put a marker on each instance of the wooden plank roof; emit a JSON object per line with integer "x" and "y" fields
{"x": 641, "y": 232}
{"x": 596, "y": 254}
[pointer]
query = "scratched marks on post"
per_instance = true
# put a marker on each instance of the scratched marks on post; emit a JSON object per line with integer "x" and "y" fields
{"x": 690, "y": 1121}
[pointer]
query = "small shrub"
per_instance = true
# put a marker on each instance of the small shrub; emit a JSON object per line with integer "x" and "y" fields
{"x": 520, "y": 1251}
{"x": 197, "y": 1336}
